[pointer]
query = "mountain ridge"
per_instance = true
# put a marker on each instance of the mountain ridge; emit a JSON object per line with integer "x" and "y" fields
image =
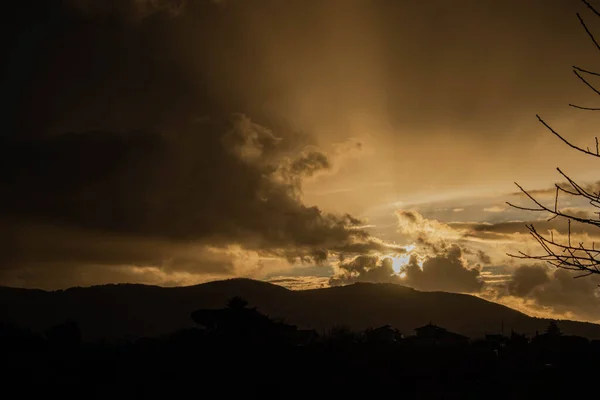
{"x": 117, "y": 311}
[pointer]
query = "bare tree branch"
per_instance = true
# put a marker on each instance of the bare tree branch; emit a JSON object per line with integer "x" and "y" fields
{"x": 586, "y": 28}
{"x": 565, "y": 140}
{"x": 586, "y": 71}
{"x": 584, "y": 108}
{"x": 587, "y": 3}
{"x": 566, "y": 254}
{"x": 586, "y": 82}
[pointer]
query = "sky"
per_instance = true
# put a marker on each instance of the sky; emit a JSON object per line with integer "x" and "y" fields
{"x": 306, "y": 143}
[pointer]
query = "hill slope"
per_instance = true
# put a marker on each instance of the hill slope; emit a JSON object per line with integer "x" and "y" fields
{"x": 116, "y": 311}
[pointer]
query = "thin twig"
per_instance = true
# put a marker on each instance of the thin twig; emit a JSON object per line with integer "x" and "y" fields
{"x": 588, "y": 31}
{"x": 586, "y": 71}
{"x": 586, "y": 82}
{"x": 565, "y": 140}
{"x": 584, "y": 108}
{"x": 591, "y": 7}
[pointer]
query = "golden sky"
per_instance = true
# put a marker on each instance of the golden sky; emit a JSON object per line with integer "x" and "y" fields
{"x": 301, "y": 142}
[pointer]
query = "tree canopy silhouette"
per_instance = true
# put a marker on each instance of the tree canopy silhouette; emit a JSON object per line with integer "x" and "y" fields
{"x": 236, "y": 302}
{"x": 568, "y": 254}
{"x": 553, "y": 329}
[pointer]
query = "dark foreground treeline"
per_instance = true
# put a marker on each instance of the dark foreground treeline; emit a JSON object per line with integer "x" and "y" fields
{"x": 239, "y": 352}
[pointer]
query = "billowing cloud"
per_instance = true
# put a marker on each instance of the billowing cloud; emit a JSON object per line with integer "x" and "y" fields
{"x": 533, "y": 288}
{"x": 526, "y": 278}
{"x": 142, "y": 133}
{"x": 365, "y": 269}
{"x": 483, "y": 257}
{"x": 429, "y": 234}
{"x": 554, "y": 290}
{"x": 213, "y": 182}
{"x": 447, "y": 271}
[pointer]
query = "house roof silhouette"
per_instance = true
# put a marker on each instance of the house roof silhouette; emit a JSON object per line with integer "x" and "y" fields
{"x": 437, "y": 331}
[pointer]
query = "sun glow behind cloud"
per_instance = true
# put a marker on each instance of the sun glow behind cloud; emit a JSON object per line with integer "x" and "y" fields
{"x": 399, "y": 262}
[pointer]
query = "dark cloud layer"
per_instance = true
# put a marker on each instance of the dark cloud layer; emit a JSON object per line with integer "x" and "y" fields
{"x": 527, "y": 278}
{"x": 121, "y": 144}
{"x": 557, "y": 290}
{"x": 187, "y": 185}
{"x": 503, "y": 230}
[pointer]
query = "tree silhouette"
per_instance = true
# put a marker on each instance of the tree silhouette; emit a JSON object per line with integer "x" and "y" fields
{"x": 553, "y": 329}
{"x": 567, "y": 254}
{"x": 341, "y": 334}
{"x": 236, "y": 302}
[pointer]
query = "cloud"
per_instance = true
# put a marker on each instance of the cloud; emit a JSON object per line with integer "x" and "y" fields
{"x": 432, "y": 236}
{"x": 428, "y": 234}
{"x": 508, "y": 229}
{"x": 553, "y": 290}
{"x": 483, "y": 257}
{"x": 494, "y": 209}
{"x": 49, "y": 257}
{"x": 532, "y": 288}
{"x": 300, "y": 283}
{"x": 125, "y": 147}
{"x": 593, "y": 187}
{"x": 57, "y": 277}
{"x": 527, "y": 278}
{"x": 447, "y": 271}
{"x": 365, "y": 268}
{"x": 213, "y": 182}
{"x": 141, "y": 150}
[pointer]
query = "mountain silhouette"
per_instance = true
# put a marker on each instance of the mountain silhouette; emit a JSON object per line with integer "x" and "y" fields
{"x": 116, "y": 312}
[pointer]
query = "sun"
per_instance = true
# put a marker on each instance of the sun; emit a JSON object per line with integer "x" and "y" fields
{"x": 398, "y": 262}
